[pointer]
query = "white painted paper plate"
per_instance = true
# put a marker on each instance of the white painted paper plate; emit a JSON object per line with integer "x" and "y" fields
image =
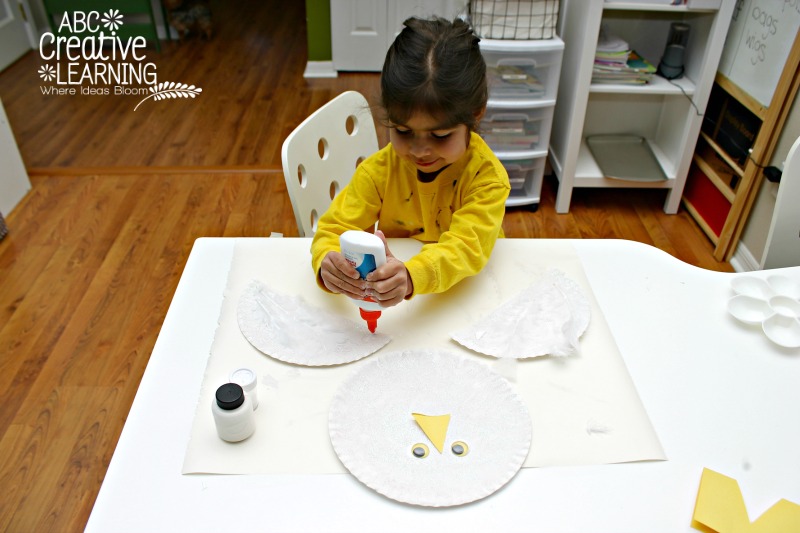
{"x": 374, "y": 433}
{"x": 287, "y": 328}
{"x": 547, "y": 318}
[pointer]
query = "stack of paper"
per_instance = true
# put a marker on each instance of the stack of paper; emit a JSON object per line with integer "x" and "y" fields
{"x": 510, "y": 134}
{"x": 615, "y": 62}
{"x": 514, "y": 80}
{"x": 611, "y": 50}
{"x": 636, "y": 71}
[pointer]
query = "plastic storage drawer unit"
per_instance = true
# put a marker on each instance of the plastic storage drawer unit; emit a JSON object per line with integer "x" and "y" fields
{"x": 523, "y": 85}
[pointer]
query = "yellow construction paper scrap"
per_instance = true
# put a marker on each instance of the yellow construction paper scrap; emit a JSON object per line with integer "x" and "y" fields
{"x": 435, "y": 427}
{"x": 720, "y": 508}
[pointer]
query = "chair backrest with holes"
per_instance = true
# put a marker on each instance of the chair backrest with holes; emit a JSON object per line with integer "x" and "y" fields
{"x": 321, "y": 154}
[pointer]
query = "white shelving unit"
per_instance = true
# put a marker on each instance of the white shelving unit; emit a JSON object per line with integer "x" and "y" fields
{"x": 517, "y": 123}
{"x": 667, "y": 114}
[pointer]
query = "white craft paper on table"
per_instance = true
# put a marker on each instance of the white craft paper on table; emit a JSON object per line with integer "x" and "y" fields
{"x": 285, "y": 327}
{"x": 546, "y": 318}
{"x": 568, "y": 398}
{"x": 373, "y": 431}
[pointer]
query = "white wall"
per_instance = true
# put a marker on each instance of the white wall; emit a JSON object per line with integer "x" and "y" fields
{"x": 39, "y": 15}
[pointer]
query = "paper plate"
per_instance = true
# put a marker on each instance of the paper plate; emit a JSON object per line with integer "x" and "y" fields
{"x": 288, "y": 329}
{"x": 547, "y": 318}
{"x": 374, "y": 432}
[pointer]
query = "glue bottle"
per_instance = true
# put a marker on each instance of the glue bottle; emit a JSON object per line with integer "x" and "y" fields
{"x": 365, "y": 252}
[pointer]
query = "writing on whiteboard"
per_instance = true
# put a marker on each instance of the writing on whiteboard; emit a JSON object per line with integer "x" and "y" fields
{"x": 759, "y": 39}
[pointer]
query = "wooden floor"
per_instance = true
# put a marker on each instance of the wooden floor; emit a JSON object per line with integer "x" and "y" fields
{"x": 92, "y": 260}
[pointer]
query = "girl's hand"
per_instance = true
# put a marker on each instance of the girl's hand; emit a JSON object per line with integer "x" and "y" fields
{"x": 390, "y": 284}
{"x": 340, "y": 277}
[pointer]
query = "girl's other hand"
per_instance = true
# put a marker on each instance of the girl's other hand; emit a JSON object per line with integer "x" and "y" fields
{"x": 391, "y": 283}
{"x": 340, "y": 277}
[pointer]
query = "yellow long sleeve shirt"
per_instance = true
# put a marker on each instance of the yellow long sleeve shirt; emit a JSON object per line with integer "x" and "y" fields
{"x": 458, "y": 215}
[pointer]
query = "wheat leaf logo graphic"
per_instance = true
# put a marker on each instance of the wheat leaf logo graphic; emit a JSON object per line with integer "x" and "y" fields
{"x": 170, "y": 89}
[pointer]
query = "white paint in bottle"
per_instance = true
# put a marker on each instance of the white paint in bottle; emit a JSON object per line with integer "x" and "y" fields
{"x": 233, "y": 413}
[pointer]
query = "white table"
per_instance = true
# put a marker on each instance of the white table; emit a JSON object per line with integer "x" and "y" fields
{"x": 719, "y": 394}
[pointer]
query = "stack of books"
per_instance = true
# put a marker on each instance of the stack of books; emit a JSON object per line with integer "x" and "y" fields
{"x": 615, "y": 62}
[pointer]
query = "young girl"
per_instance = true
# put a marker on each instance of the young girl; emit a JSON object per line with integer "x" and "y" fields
{"x": 436, "y": 181}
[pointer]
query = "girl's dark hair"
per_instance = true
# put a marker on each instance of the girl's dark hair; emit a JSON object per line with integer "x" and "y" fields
{"x": 434, "y": 67}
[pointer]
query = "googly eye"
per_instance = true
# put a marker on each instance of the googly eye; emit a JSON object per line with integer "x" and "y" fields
{"x": 420, "y": 451}
{"x": 459, "y": 448}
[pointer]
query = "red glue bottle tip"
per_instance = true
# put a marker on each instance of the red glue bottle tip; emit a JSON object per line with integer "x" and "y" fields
{"x": 371, "y": 317}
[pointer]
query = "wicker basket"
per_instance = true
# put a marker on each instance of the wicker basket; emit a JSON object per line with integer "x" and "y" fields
{"x": 3, "y": 227}
{"x": 514, "y": 19}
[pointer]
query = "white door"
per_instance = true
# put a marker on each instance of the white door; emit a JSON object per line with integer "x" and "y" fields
{"x": 13, "y": 32}
{"x": 363, "y": 30}
{"x": 400, "y": 10}
{"x": 783, "y": 240}
{"x": 14, "y": 183}
{"x": 358, "y": 35}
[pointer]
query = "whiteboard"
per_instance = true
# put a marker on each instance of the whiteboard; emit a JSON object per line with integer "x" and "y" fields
{"x": 759, "y": 39}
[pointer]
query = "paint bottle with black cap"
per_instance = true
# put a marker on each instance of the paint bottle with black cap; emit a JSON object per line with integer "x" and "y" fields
{"x": 233, "y": 413}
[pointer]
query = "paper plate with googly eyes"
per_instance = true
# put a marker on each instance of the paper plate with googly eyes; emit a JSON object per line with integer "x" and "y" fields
{"x": 429, "y": 428}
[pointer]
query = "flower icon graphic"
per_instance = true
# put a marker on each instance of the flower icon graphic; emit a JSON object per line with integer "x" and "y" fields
{"x": 47, "y": 73}
{"x": 112, "y": 19}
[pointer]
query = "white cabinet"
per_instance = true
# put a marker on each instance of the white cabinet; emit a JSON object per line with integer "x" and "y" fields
{"x": 523, "y": 84}
{"x": 667, "y": 114}
{"x": 363, "y": 30}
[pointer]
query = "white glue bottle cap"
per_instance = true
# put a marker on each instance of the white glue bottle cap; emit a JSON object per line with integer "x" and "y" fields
{"x": 246, "y": 377}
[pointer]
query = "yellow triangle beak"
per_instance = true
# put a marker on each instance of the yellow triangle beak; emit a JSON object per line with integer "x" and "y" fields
{"x": 435, "y": 428}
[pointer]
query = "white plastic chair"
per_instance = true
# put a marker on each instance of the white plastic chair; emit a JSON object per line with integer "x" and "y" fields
{"x": 783, "y": 240}
{"x": 321, "y": 154}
